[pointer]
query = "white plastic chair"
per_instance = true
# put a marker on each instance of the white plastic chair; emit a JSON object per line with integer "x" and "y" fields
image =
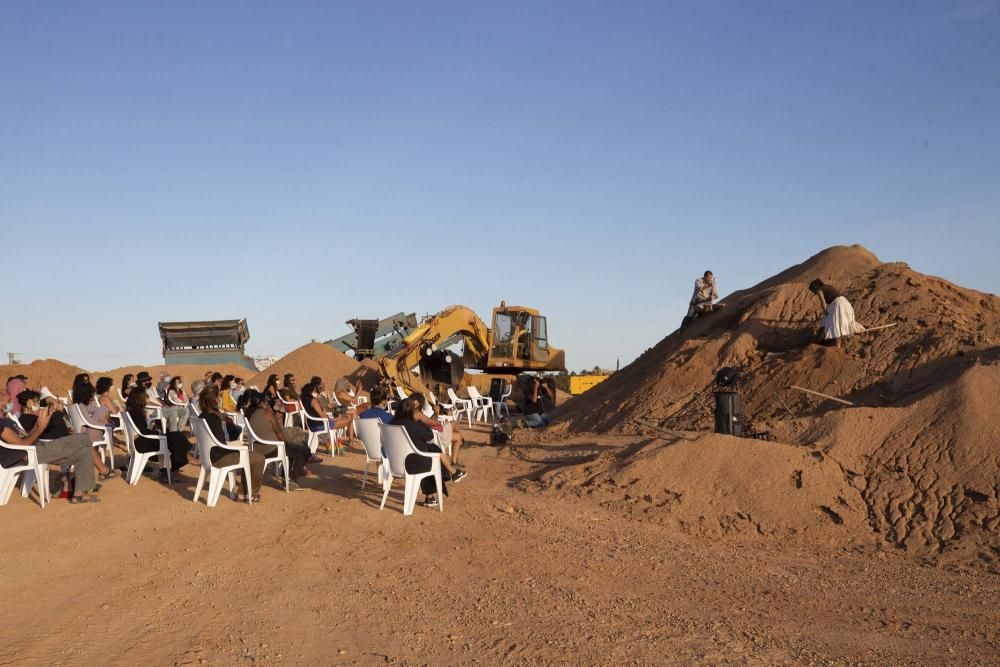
{"x": 79, "y": 422}
{"x": 137, "y": 460}
{"x": 217, "y": 476}
{"x": 402, "y": 394}
{"x": 482, "y": 404}
{"x": 501, "y": 405}
{"x": 371, "y": 437}
{"x": 121, "y": 396}
{"x": 292, "y": 410}
{"x": 31, "y": 472}
{"x": 280, "y": 456}
{"x": 458, "y": 406}
{"x": 314, "y": 436}
{"x": 397, "y": 445}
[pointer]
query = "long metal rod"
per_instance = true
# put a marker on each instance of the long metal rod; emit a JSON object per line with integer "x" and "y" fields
{"x": 832, "y": 398}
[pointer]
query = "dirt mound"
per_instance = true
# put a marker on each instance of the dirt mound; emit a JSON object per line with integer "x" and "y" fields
{"x": 716, "y": 485}
{"x": 309, "y": 360}
{"x": 51, "y": 373}
{"x": 767, "y": 332}
{"x": 926, "y": 469}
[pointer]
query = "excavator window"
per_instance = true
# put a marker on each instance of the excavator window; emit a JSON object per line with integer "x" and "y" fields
{"x": 541, "y": 334}
{"x": 503, "y": 336}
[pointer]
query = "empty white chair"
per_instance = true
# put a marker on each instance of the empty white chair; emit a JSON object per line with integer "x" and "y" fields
{"x": 79, "y": 422}
{"x": 31, "y": 472}
{"x": 397, "y": 445}
{"x": 280, "y": 456}
{"x": 137, "y": 460}
{"x": 501, "y": 405}
{"x": 217, "y": 475}
{"x": 482, "y": 404}
{"x": 371, "y": 437}
{"x": 459, "y": 406}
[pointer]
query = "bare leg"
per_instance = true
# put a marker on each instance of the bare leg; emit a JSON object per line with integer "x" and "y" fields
{"x": 101, "y": 468}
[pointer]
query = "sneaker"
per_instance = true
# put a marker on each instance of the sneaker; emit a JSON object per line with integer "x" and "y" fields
{"x": 430, "y": 502}
{"x": 293, "y": 486}
{"x": 459, "y": 476}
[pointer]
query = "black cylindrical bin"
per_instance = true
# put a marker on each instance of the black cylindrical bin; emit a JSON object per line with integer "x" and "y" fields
{"x": 728, "y": 413}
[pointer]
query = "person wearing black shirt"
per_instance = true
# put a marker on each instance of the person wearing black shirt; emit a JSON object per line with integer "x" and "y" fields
{"x": 208, "y": 401}
{"x": 423, "y": 439}
{"x": 177, "y": 442}
{"x": 534, "y": 412}
{"x": 71, "y": 450}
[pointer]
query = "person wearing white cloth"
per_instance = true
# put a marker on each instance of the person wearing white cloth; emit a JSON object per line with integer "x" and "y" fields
{"x": 838, "y": 320}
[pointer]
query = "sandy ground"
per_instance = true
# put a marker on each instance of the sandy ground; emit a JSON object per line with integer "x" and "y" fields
{"x": 502, "y": 576}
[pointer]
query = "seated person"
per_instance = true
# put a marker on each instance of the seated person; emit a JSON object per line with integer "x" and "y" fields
{"x": 216, "y": 421}
{"x": 226, "y": 401}
{"x": 423, "y": 439}
{"x": 68, "y": 450}
{"x": 175, "y": 392}
{"x": 128, "y": 384}
{"x": 702, "y": 300}
{"x": 314, "y": 409}
{"x": 177, "y": 443}
{"x": 84, "y": 396}
{"x": 289, "y": 390}
{"x": 271, "y": 392}
{"x": 534, "y": 412}
{"x": 347, "y": 394}
{"x": 104, "y": 397}
{"x": 449, "y": 435}
{"x": 380, "y": 401}
{"x": 15, "y": 385}
{"x": 265, "y": 424}
{"x": 237, "y": 389}
{"x": 176, "y": 415}
{"x": 161, "y": 386}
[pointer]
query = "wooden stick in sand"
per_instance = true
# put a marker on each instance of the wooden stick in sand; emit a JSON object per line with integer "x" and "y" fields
{"x": 883, "y": 326}
{"x": 832, "y": 398}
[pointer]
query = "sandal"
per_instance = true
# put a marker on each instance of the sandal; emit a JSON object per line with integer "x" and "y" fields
{"x": 77, "y": 500}
{"x": 104, "y": 476}
{"x": 255, "y": 497}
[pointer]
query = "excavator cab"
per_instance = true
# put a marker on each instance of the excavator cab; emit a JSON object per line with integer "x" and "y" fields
{"x": 518, "y": 339}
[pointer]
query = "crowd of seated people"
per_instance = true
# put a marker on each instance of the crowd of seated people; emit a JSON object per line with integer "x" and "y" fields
{"x": 164, "y": 410}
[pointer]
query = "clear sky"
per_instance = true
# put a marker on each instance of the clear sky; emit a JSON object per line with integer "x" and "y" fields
{"x": 303, "y": 163}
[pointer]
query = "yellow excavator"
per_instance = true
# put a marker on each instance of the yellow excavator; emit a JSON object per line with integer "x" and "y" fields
{"x": 427, "y": 356}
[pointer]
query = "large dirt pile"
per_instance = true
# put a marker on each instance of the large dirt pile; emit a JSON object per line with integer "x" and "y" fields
{"x": 51, "y": 373}
{"x": 309, "y": 360}
{"x": 916, "y": 460}
{"x": 767, "y": 331}
{"x": 715, "y": 485}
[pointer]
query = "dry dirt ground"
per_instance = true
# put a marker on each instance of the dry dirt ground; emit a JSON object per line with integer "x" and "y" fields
{"x": 502, "y": 576}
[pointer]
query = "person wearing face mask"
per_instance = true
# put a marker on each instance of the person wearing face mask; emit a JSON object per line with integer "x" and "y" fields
{"x": 176, "y": 415}
{"x": 237, "y": 390}
{"x": 128, "y": 384}
{"x": 175, "y": 391}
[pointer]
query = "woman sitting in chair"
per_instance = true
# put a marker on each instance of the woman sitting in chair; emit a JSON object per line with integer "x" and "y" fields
{"x": 449, "y": 433}
{"x": 423, "y": 439}
{"x": 208, "y": 401}
{"x": 265, "y": 424}
{"x": 177, "y": 442}
{"x": 313, "y": 408}
{"x": 175, "y": 391}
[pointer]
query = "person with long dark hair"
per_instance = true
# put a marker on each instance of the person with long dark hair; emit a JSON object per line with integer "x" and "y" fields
{"x": 422, "y": 437}
{"x": 177, "y": 442}
{"x": 313, "y": 408}
{"x": 208, "y": 401}
{"x": 265, "y": 424}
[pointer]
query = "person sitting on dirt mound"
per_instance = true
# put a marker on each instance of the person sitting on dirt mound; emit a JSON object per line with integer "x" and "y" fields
{"x": 423, "y": 439}
{"x": 702, "y": 299}
{"x": 534, "y": 411}
{"x": 838, "y": 319}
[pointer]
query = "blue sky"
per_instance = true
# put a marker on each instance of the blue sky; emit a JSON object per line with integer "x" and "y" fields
{"x": 300, "y": 164}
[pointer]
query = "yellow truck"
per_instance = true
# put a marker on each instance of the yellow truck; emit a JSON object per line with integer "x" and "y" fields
{"x": 581, "y": 383}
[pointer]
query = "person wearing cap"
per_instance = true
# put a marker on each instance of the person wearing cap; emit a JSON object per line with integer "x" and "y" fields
{"x": 176, "y": 415}
{"x": 15, "y": 385}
